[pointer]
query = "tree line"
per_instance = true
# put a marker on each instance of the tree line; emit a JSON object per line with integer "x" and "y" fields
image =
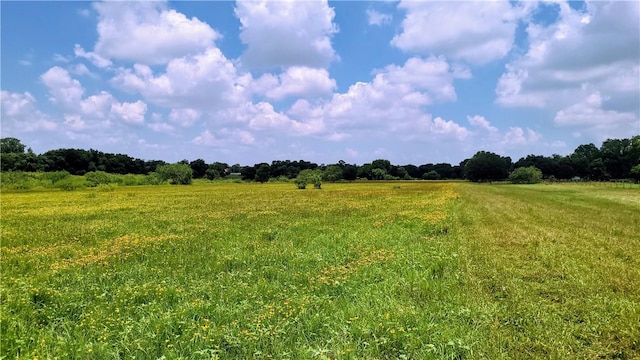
{"x": 614, "y": 159}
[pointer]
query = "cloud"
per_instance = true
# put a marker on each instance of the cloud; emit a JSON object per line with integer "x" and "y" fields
{"x": 590, "y": 116}
{"x": 132, "y": 113}
{"x": 94, "y": 58}
{"x": 298, "y": 81}
{"x": 185, "y": 117}
{"x": 205, "y": 81}
{"x": 148, "y": 32}
{"x": 476, "y": 32}
{"x": 64, "y": 90}
{"x": 262, "y": 116}
{"x": 19, "y": 114}
{"x": 225, "y": 138}
{"x": 513, "y": 140}
{"x": 594, "y": 50}
{"x": 286, "y": 33}
{"x": 480, "y": 122}
{"x": 206, "y": 138}
{"x": 377, "y": 18}
{"x": 394, "y": 100}
{"x": 95, "y": 111}
{"x": 441, "y": 126}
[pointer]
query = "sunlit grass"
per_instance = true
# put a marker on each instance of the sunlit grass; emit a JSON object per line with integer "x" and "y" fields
{"x": 365, "y": 270}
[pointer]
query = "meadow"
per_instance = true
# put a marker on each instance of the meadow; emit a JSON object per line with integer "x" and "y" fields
{"x": 371, "y": 270}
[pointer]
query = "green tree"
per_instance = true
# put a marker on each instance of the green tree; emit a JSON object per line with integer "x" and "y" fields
{"x": 349, "y": 172}
{"x": 431, "y": 175}
{"x": 526, "y": 175}
{"x": 248, "y": 173}
{"x": 199, "y": 168}
{"x": 598, "y": 170}
{"x": 487, "y": 166}
{"x": 263, "y": 172}
{"x": 332, "y": 173}
{"x": 635, "y": 173}
{"x": 378, "y": 174}
{"x": 177, "y": 174}
{"x": 308, "y": 176}
{"x": 11, "y": 145}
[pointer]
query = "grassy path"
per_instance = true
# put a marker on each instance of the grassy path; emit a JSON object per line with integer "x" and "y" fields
{"x": 552, "y": 271}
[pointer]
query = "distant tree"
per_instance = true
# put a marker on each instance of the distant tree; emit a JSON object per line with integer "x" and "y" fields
{"x": 332, "y": 173}
{"x": 413, "y": 171}
{"x": 444, "y": 170}
{"x": 635, "y": 173}
{"x": 487, "y": 166}
{"x": 349, "y": 172}
{"x": 547, "y": 165}
{"x": 217, "y": 169}
{"x": 598, "y": 171}
{"x": 582, "y": 157}
{"x": 364, "y": 171}
{"x": 11, "y": 145}
{"x": 378, "y": 174}
{"x": 308, "y": 176}
{"x": 199, "y": 168}
{"x": 402, "y": 173}
{"x": 177, "y": 174}
{"x": 431, "y": 175}
{"x": 526, "y": 175}
{"x": 248, "y": 173}
{"x": 263, "y": 172}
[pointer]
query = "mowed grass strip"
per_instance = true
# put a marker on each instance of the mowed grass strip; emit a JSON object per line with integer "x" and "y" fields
{"x": 353, "y": 271}
{"x": 553, "y": 271}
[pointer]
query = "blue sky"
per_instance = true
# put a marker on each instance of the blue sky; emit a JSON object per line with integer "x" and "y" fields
{"x": 251, "y": 81}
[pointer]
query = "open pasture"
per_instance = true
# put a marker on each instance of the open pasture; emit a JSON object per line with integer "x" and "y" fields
{"x": 353, "y": 271}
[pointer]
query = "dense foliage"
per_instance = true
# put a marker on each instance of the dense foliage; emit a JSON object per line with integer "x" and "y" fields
{"x": 613, "y": 160}
{"x": 526, "y": 175}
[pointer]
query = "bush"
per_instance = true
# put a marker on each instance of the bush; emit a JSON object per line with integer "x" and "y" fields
{"x": 308, "y": 176}
{"x": 95, "y": 178}
{"x": 300, "y": 183}
{"x": 56, "y": 176}
{"x": 526, "y": 175}
{"x": 16, "y": 180}
{"x": 71, "y": 183}
{"x": 431, "y": 175}
{"x": 177, "y": 174}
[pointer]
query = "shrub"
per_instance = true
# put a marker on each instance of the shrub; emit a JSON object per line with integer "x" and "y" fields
{"x": 300, "y": 183}
{"x": 95, "y": 178}
{"x": 431, "y": 175}
{"x": 309, "y": 176}
{"x": 71, "y": 183}
{"x": 526, "y": 175}
{"x": 56, "y": 176}
{"x": 177, "y": 174}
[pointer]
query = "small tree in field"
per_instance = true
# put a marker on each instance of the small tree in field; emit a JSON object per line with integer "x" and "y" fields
{"x": 526, "y": 175}
{"x": 309, "y": 176}
{"x": 177, "y": 174}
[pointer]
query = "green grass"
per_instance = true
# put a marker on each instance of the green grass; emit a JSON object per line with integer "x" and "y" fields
{"x": 353, "y": 271}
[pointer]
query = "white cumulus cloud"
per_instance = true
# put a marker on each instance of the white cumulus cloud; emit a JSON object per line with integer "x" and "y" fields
{"x": 299, "y": 81}
{"x": 286, "y": 33}
{"x": 477, "y": 32}
{"x": 148, "y": 32}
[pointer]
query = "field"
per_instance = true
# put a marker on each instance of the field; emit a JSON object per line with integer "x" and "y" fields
{"x": 413, "y": 270}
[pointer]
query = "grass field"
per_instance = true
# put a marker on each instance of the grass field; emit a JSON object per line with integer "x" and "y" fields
{"x": 396, "y": 270}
